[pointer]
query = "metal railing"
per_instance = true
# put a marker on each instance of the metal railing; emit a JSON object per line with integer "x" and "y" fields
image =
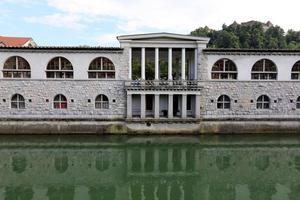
{"x": 161, "y": 84}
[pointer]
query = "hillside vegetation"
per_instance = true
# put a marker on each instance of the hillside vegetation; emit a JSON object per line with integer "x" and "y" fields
{"x": 250, "y": 35}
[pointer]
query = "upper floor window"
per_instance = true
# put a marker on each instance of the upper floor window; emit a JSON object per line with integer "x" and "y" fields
{"x": 224, "y": 69}
{"x": 296, "y": 71}
{"x": 223, "y": 102}
{"x": 18, "y": 102}
{"x": 264, "y": 69}
{"x": 101, "y": 102}
{"x": 101, "y": 68}
{"x": 263, "y": 102}
{"x": 16, "y": 67}
{"x": 59, "y": 67}
{"x": 60, "y": 102}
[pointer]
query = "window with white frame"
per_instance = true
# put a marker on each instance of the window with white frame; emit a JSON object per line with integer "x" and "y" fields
{"x": 59, "y": 68}
{"x": 223, "y": 102}
{"x": 101, "y": 102}
{"x": 263, "y": 102}
{"x": 17, "y": 102}
{"x": 101, "y": 68}
{"x": 295, "y": 75}
{"x": 224, "y": 69}
{"x": 60, "y": 102}
{"x": 16, "y": 67}
{"x": 264, "y": 69}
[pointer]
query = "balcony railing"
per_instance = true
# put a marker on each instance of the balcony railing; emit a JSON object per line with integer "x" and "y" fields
{"x": 162, "y": 84}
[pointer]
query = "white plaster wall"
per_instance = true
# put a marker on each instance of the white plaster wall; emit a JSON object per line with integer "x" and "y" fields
{"x": 39, "y": 60}
{"x": 245, "y": 63}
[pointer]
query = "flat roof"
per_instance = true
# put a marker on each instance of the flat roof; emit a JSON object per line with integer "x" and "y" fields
{"x": 230, "y": 50}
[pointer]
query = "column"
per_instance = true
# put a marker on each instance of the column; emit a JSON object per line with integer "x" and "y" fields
{"x": 183, "y": 64}
{"x": 156, "y": 64}
{"x": 143, "y": 106}
{"x": 197, "y": 106}
{"x": 170, "y": 106}
{"x": 130, "y": 64}
{"x": 129, "y": 106}
{"x": 170, "y": 65}
{"x": 156, "y": 106}
{"x": 196, "y": 65}
{"x": 143, "y": 70}
{"x": 183, "y": 106}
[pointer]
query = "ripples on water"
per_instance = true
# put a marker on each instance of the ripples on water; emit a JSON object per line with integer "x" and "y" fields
{"x": 149, "y": 168}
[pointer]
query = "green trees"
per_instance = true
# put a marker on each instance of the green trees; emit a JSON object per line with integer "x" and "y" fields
{"x": 250, "y": 35}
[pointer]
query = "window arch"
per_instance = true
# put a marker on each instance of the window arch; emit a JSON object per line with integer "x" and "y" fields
{"x": 263, "y": 102}
{"x": 16, "y": 67}
{"x": 101, "y": 68}
{"x": 101, "y": 102}
{"x": 298, "y": 103}
{"x": 264, "y": 69}
{"x": 295, "y": 75}
{"x": 60, "y": 102}
{"x": 224, "y": 69}
{"x": 223, "y": 102}
{"x": 17, "y": 101}
{"x": 60, "y": 68}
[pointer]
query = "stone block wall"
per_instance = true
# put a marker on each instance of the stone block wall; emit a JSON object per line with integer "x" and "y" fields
{"x": 244, "y": 94}
{"x": 42, "y": 92}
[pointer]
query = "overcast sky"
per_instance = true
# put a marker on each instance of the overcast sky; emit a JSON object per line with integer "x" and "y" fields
{"x": 98, "y": 22}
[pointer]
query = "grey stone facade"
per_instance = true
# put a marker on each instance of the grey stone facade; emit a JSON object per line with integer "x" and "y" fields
{"x": 42, "y": 92}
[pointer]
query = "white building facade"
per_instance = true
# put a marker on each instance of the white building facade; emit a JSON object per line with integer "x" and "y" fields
{"x": 155, "y": 77}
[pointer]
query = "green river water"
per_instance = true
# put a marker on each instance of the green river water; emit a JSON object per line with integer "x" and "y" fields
{"x": 150, "y": 168}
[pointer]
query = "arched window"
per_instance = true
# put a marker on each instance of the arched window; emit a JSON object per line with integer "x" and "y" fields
{"x": 263, "y": 102}
{"x": 102, "y": 68}
{"x": 101, "y": 102}
{"x": 264, "y": 69}
{"x": 298, "y": 103}
{"x": 16, "y": 67}
{"x": 296, "y": 71}
{"x": 224, "y": 69}
{"x": 59, "y": 67}
{"x": 17, "y": 102}
{"x": 223, "y": 102}
{"x": 60, "y": 102}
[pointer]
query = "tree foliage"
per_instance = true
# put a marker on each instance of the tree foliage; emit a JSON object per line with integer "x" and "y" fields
{"x": 250, "y": 35}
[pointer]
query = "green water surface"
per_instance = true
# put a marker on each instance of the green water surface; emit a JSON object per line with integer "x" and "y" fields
{"x": 150, "y": 168}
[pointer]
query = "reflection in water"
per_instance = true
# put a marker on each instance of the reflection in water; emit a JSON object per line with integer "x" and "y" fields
{"x": 151, "y": 168}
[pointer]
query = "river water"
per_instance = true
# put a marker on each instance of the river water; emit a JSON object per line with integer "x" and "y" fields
{"x": 150, "y": 168}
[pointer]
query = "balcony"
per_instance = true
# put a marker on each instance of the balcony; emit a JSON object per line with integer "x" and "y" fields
{"x": 163, "y": 85}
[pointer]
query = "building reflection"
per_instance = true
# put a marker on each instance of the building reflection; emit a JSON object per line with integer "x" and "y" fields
{"x": 134, "y": 170}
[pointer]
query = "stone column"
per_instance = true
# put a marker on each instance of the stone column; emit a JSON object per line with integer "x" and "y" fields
{"x": 143, "y": 61}
{"x": 183, "y": 64}
{"x": 156, "y": 64}
{"x": 197, "y": 106}
{"x": 170, "y": 106}
{"x": 156, "y": 106}
{"x": 170, "y": 65}
{"x": 143, "y": 106}
{"x": 196, "y": 65}
{"x": 183, "y": 106}
{"x": 129, "y": 106}
{"x": 130, "y": 64}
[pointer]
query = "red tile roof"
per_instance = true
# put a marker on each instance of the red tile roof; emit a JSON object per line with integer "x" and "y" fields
{"x": 14, "y": 41}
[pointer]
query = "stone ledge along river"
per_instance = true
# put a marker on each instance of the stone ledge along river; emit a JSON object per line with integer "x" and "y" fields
{"x": 231, "y": 167}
